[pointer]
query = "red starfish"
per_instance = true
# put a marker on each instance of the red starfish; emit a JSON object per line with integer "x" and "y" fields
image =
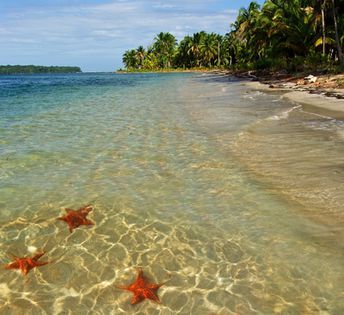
{"x": 142, "y": 289}
{"x": 75, "y": 218}
{"x": 25, "y": 264}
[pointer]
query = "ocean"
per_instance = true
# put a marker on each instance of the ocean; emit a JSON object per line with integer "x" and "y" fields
{"x": 231, "y": 196}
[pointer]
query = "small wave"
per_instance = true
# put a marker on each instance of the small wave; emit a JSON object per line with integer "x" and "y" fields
{"x": 253, "y": 95}
{"x": 276, "y": 100}
{"x": 284, "y": 114}
{"x": 327, "y": 124}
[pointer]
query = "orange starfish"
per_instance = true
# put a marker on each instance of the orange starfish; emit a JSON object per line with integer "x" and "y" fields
{"x": 25, "y": 264}
{"x": 75, "y": 218}
{"x": 142, "y": 289}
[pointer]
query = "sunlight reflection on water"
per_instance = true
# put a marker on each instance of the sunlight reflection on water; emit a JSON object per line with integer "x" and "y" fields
{"x": 175, "y": 190}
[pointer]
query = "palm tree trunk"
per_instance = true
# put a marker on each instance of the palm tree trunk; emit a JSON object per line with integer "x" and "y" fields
{"x": 323, "y": 27}
{"x": 340, "y": 53}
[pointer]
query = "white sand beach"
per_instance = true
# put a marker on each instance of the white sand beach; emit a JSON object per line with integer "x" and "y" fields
{"x": 317, "y": 103}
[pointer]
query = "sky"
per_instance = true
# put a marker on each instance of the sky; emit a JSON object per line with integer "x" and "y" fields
{"x": 94, "y": 34}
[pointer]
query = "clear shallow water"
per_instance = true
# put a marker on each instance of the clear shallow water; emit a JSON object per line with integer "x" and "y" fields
{"x": 196, "y": 179}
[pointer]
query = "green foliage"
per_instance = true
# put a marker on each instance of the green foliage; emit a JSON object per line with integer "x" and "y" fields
{"x": 37, "y": 69}
{"x": 165, "y": 48}
{"x": 277, "y": 35}
{"x": 296, "y": 64}
{"x": 265, "y": 63}
{"x": 199, "y": 50}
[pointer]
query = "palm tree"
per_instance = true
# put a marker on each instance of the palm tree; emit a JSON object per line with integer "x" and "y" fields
{"x": 130, "y": 59}
{"x": 292, "y": 27}
{"x": 323, "y": 6}
{"x": 183, "y": 57}
{"x": 229, "y": 49}
{"x": 339, "y": 49}
{"x": 194, "y": 49}
{"x": 245, "y": 30}
{"x": 164, "y": 46}
{"x": 151, "y": 61}
{"x": 289, "y": 32}
{"x": 140, "y": 56}
{"x": 208, "y": 49}
{"x": 219, "y": 40}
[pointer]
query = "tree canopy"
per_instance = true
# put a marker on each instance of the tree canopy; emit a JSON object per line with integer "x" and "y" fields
{"x": 17, "y": 69}
{"x": 292, "y": 35}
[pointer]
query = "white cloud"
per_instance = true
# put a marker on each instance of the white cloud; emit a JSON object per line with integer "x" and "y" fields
{"x": 99, "y": 34}
{"x": 106, "y": 33}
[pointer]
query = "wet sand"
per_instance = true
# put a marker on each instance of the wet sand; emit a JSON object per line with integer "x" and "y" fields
{"x": 314, "y": 103}
{"x": 253, "y": 151}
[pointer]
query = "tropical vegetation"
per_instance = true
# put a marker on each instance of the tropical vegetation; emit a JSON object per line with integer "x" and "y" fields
{"x": 294, "y": 35}
{"x": 17, "y": 69}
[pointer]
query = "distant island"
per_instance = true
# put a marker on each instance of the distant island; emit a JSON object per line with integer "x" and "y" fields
{"x": 17, "y": 69}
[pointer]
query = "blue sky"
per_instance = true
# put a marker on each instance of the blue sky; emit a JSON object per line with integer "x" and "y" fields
{"x": 93, "y": 34}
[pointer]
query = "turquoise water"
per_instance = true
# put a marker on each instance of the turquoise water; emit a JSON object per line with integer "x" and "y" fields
{"x": 232, "y": 195}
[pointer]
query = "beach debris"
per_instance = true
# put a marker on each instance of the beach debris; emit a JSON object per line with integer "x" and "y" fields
{"x": 142, "y": 289}
{"x": 311, "y": 78}
{"x": 75, "y": 218}
{"x": 25, "y": 264}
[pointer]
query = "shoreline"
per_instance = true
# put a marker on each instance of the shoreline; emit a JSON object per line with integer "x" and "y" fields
{"x": 320, "y": 213}
{"x": 196, "y": 70}
{"x": 322, "y": 100}
{"x": 325, "y": 96}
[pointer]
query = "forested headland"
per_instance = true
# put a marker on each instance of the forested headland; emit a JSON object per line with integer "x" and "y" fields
{"x": 17, "y": 69}
{"x": 291, "y": 35}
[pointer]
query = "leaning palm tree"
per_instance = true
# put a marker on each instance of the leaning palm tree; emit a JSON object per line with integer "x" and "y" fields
{"x": 292, "y": 27}
{"x": 246, "y": 30}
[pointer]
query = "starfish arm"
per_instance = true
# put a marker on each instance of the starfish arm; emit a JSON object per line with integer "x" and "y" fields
{"x": 154, "y": 286}
{"x": 13, "y": 265}
{"x": 87, "y": 222}
{"x": 62, "y": 219}
{"x": 41, "y": 263}
{"x": 38, "y": 256}
{"x": 136, "y": 299}
{"x": 142, "y": 289}
{"x": 84, "y": 211}
{"x": 149, "y": 294}
{"x": 25, "y": 270}
{"x": 74, "y": 223}
{"x": 123, "y": 287}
